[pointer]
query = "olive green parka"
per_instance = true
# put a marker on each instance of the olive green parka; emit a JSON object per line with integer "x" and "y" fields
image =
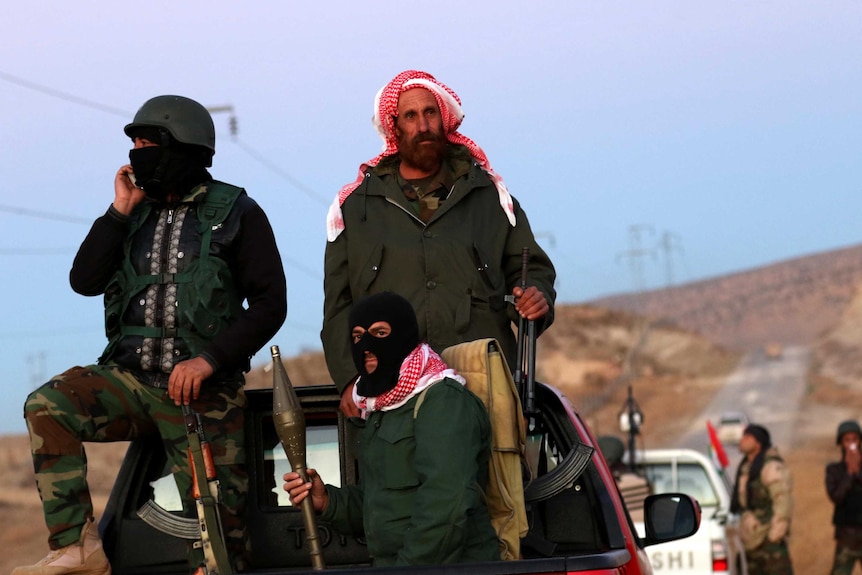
{"x": 455, "y": 270}
{"x": 419, "y": 500}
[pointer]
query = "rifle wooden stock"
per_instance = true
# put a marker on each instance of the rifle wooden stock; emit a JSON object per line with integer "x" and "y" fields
{"x": 206, "y": 502}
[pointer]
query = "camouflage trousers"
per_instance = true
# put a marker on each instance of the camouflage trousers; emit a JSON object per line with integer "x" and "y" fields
{"x": 769, "y": 559}
{"x": 110, "y": 403}
{"x": 847, "y": 554}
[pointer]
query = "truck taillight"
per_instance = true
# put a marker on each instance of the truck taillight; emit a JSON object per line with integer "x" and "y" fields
{"x": 719, "y": 557}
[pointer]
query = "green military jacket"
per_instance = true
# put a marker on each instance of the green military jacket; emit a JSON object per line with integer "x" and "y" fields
{"x": 419, "y": 500}
{"x": 454, "y": 270}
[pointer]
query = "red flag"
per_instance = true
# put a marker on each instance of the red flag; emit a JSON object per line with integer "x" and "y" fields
{"x": 716, "y": 449}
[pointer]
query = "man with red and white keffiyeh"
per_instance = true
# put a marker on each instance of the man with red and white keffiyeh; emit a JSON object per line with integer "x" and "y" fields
{"x": 429, "y": 218}
{"x": 425, "y": 447}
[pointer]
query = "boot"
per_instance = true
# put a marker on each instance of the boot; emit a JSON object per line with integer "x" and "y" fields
{"x": 86, "y": 557}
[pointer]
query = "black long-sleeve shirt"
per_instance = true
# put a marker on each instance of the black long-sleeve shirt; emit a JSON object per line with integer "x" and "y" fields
{"x": 254, "y": 261}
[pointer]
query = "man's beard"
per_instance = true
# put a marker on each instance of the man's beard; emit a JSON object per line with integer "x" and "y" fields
{"x": 422, "y": 156}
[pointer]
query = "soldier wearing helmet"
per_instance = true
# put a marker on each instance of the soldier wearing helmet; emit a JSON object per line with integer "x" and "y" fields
{"x": 844, "y": 486}
{"x": 193, "y": 286}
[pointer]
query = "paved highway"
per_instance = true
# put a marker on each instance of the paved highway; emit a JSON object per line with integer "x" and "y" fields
{"x": 769, "y": 391}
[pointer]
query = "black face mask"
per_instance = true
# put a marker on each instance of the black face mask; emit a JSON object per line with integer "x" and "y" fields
{"x": 391, "y": 350}
{"x": 145, "y": 163}
{"x": 160, "y": 170}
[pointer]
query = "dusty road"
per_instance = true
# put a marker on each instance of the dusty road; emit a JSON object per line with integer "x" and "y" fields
{"x": 769, "y": 391}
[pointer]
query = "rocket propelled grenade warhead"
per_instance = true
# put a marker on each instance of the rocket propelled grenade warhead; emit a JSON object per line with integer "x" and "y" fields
{"x": 287, "y": 414}
{"x": 289, "y": 421}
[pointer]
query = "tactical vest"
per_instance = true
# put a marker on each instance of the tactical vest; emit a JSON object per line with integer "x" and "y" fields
{"x": 207, "y": 300}
{"x": 759, "y": 502}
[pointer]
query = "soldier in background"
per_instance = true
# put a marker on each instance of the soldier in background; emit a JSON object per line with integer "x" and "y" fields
{"x": 762, "y": 497}
{"x": 844, "y": 486}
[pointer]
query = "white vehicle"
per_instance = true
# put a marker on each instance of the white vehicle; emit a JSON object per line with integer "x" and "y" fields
{"x": 716, "y": 548}
{"x": 731, "y": 425}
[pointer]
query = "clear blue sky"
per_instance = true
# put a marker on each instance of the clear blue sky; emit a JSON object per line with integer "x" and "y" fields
{"x": 733, "y": 126}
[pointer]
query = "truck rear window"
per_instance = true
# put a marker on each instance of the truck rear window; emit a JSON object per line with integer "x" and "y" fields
{"x": 321, "y": 454}
{"x": 690, "y": 478}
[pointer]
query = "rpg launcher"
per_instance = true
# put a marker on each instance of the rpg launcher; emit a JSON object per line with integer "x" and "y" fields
{"x": 289, "y": 424}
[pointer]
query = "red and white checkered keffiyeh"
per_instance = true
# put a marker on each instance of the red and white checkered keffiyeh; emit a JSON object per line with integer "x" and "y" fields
{"x": 419, "y": 370}
{"x": 385, "y": 109}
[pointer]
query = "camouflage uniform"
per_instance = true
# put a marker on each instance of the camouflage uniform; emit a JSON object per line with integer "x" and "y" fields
{"x": 766, "y": 510}
{"x": 847, "y": 554}
{"x": 110, "y": 403}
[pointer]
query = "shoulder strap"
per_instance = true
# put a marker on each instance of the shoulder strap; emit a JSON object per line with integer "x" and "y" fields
{"x": 217, "y": 203}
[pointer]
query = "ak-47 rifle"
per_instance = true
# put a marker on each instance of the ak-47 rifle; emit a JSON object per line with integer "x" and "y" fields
{"x": 204, "y": 473}
{"x": 206, "y": 530}
{"x": 525, "y": 360}
{"x": 573, "y": 464}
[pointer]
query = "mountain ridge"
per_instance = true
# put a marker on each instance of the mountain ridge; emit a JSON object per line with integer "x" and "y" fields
{"x": 793, "y": 301}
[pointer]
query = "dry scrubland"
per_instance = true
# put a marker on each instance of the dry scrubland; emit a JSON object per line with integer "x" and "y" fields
{"x": 593, "y": 353}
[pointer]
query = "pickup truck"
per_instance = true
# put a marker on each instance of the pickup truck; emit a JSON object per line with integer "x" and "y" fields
{"x": 578, "y": 522}
{"x": 716, "y": 548}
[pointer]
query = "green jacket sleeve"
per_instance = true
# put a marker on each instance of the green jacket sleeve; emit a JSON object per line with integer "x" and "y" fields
{"x": 344, "y": 510}
{"x": 336, "y": 310}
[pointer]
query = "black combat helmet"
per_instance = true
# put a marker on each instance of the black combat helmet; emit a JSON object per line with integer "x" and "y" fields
{"x": 187, "y": 121}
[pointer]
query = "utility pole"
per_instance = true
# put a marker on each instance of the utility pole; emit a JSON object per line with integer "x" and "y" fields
{"x": 231, "y": 121}
{"x": 670, "y": 243}
{"x": 636, "y": 253}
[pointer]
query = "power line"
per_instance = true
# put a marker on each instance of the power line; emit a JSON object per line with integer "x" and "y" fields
{"x": 116, "y": 111}
{"x": 670, "y": 243}
{"x": 35, "y": 251}
{"x": 126, "y": 114}
{"x": 293, "y": 181}
{"x": 63, "y": 95}
{"x": 636, "y": 253}
{"x": 44, "y": 215}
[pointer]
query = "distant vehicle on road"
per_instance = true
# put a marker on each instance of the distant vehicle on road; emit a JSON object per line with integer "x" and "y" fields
{"x": 773, "y": 351}
{"x": 716, "y": 548}
{"x": 731, "y": 425}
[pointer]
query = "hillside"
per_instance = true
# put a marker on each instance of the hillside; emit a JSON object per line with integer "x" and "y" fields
{"x": 791, "y": 302}
{"x": 838, "y": 351}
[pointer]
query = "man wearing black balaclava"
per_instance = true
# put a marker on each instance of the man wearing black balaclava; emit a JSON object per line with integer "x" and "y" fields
{"x": 193, "y": 286}
{"x": 425, "y": 449}
{"x": 762, "y": 495}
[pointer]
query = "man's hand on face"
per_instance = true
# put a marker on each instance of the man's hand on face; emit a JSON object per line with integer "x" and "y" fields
{"x": 126, "y": 194}
{"x": 530, "y": 303}
{"x": 186, "y": 379}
